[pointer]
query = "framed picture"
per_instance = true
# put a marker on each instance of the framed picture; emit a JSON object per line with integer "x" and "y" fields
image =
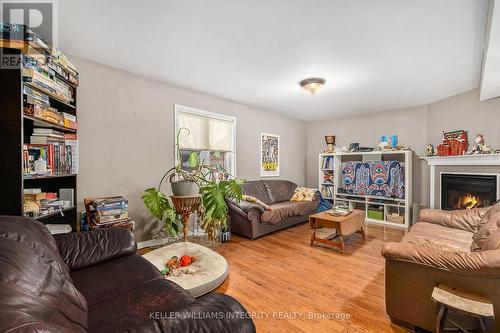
{"x": 269, "y": 155}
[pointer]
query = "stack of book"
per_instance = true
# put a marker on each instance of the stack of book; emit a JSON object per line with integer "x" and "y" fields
{"x": 37, "y": 76}
{"x": 48, "y": 58}
{"x": 38, "y": 204}
{"x": 59, "y": 152}
{"x": 37, "y": 105}
{"x": 109, "y": 213}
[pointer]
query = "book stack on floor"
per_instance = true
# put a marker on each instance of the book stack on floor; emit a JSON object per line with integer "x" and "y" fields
{"x": 51, "y": 153}
{"x": 38, "y": 204}
{"x": 108, "y": 213}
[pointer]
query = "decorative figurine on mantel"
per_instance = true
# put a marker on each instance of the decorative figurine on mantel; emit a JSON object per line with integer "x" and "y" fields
{"x": 429, "y": 151}
{"x": 480, "y": 147}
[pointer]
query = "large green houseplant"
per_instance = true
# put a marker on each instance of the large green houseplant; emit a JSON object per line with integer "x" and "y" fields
{"x": 215, "y": 187}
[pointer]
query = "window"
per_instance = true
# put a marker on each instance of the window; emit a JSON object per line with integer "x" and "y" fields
{"x": 211, "y": 139}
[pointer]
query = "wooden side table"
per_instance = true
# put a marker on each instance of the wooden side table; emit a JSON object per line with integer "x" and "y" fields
{"x": 185, "y": 206}
{"x": 468, "y": 304}
{"x": 344, "y": 225}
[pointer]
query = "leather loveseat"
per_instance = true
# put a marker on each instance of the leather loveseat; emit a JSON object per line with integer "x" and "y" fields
{"x": 95, "y": 282}
{"x": 252, "y": 221}
{"x": 459, "y": 249}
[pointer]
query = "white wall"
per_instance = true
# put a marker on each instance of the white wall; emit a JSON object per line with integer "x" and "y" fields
{"x": 126, "y": 135}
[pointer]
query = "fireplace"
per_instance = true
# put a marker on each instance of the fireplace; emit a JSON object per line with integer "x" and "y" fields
{"x": 467, "y": 191}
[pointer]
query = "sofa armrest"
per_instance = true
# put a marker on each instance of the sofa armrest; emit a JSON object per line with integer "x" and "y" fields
{"x": 475, "y": 263}
{"x": 211, "y": 313}
{"x": 251, "y": 215}
{"x": 82, "y": 249}
{"x": 465, "y": 219}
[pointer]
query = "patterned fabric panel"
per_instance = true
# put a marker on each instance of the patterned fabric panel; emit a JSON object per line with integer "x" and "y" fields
{"x": 381, "y": 178}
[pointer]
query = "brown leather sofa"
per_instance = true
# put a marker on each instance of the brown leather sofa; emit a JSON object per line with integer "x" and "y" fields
{"x": 252, "y": 221}
{"x": 95, "y": 282}
{"x": 460, "y": 249}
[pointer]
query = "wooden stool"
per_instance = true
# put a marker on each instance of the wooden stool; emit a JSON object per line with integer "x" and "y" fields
{"x": 468, "y": 304}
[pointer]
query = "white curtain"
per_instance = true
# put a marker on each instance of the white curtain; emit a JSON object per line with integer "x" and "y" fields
{"x": 206, "y": 133}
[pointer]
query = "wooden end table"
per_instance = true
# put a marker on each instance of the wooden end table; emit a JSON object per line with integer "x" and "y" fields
{"x": 344, "y": 225}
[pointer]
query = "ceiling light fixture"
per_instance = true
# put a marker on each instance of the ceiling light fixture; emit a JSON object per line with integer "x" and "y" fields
{"x": 313, "y": 84}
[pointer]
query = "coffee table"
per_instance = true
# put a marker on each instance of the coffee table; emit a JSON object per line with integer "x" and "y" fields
{"x": 344, "y": 225}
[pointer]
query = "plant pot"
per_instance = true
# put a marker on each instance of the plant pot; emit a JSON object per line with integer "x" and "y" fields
{"x": 184, "y": 189}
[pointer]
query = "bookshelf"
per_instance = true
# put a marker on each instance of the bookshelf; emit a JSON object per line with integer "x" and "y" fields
{"x": 387, "y": 205}
{"x": 17, "y": 128}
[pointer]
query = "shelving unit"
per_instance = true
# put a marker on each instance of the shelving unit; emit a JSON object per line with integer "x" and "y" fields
{"x": 388, "y": 205}
{"x": 16, "y": 128}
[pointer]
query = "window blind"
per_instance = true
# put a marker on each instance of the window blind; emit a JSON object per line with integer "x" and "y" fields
{"x": 206, "y": 133}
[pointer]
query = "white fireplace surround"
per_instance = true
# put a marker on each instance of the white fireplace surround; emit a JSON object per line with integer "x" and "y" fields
{"x": 464, "y": 160}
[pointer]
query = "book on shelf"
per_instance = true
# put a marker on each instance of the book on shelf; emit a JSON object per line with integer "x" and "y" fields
{"x": 327, "y": 191}
{"x": 59, "y": 150}
{"x": 57, "y": 158}
{"x": 327, "y": 163}
{"x": 58, "y": 88}
{"x": 71, "y": 140}
{"x": 38, "y": 204}
{"x": 69, "y": 120}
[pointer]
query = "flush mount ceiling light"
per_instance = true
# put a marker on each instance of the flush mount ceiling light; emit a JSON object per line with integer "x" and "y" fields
{"x": 313, "y": 84}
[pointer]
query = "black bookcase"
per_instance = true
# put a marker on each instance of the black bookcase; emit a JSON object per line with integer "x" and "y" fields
{"x": 15, "y": 130}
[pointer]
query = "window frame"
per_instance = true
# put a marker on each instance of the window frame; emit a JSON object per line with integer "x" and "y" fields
{"x": 178, "y": 108}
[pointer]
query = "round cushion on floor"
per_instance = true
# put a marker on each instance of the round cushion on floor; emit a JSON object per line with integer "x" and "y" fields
{"x": 206, "y": 273}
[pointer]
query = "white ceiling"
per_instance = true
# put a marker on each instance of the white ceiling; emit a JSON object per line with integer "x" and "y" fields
{"x": 374, "y": 55}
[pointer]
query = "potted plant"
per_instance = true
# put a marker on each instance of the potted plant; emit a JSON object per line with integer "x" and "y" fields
{"x": 214, "y": 185}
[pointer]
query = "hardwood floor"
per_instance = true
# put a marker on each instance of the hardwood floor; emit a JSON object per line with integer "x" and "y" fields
{"x": 282, "y": 280}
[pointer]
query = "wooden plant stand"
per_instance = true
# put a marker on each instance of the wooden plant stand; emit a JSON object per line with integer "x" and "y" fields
{"x": 185, "y": 206}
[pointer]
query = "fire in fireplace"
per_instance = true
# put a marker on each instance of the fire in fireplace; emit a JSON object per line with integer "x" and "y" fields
{"x": 467, "y": 191}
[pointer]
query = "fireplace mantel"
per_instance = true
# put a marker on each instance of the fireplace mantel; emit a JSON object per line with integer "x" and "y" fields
{"x": 484, "y": 159}
{"x": 461, "y": 160}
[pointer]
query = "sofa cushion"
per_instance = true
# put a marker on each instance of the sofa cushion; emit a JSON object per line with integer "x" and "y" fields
{"x": 36, "y": 287}
{"x": 280, "y": 190}
{"x": 282, "y": 210}
{"x": 486, "y": 230}
{"x": 492, "y": 242}
{"x": 480, "y": 233}
{"x": 257, "y": 189}
{"x": 114, "y": 277}
{"x": 438, "y": 236}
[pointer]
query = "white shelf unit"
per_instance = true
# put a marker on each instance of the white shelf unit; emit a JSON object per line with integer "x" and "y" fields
{"x": 324, "y": 186}
{"x": 402, "y": 206}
